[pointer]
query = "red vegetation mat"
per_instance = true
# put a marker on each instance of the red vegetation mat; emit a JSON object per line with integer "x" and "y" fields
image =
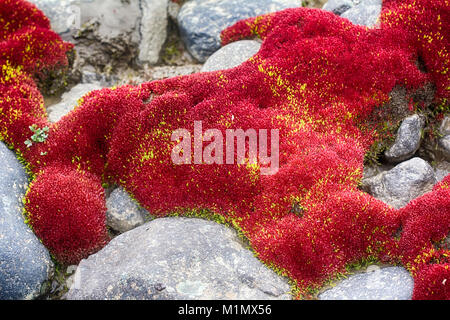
{"x": 317, "y": 78}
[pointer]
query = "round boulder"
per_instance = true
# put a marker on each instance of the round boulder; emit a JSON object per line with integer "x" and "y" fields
{"x": 176, "y": 259}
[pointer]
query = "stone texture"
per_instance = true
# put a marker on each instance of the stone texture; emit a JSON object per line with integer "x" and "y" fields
{"x": 201, "y": 21}
{"x": 403, "y": 183}
{"x": 176, "y": 258}
{"x": 407, "y": 141}
{"x": 153, "y": 29}
{"x": 165, "y": 72}
{"x": 89, "y": 75}
{"x": 123, "y": 213}
{"x": 232, "y": 55}
{"x": 392, "y": 283}
{"x": 70, "y": 100}
{"x": 24, "y": 262}
{"x": 365, "y": 13}
{"x": 372, "y": 171}
{"x": 173, "y": 9}
{"x": 442, "y": 169}
{"x": 444, "y": 144}
{"x": 110, "y": 34}
{"x": 147, "y": 74}
{"x": 64, "y": 15}
{"x": 340, "y": 6}
{"x": 445, "y": 126}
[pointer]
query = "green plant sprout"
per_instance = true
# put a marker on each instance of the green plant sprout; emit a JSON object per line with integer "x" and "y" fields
{"x": 39, "y": 135}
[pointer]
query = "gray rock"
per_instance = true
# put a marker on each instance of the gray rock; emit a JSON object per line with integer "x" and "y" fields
{"x": 123, "y": 213}
{"x": 64, "y": 15}
{"x": 403, "y": 183}
{"x": 176, "y": 258}
{"x": 366, "y": 13}
{"x": 372, "y": 171}
{"x": 201, "y": 21}
{"x": 24, "y": 262}
{"x": 69, "y": 281}
{"x": 147, "y": 74}
{"x": 340, "y": 6}
{"x": 392, "y": 283}
{"x": 232, "y": 55}
{"x": 445, "y": 126}
{"x": 173, "y": 9}
{"x": 89, "y": 75}
{"x": 164, "y": 72}
{"x": 407, "y": 141}
{"x": 153, "y": 29}
{"x": 442, "y": 169}
{"x": 70, "y": 100}
{"x": 444, "y": 144}
{"x": 71, "y": 269}
{"x": 110, "y": 33}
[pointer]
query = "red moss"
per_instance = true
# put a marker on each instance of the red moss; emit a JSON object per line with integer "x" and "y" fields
{"x": 26, "y": 38}
{"x": 67, "y": 211}
{"x": 433, "y": 283}
{"x": 426, "y": 221}
{"x": 317, "y": 78}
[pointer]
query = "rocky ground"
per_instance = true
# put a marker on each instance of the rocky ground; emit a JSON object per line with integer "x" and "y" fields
{"x": 129, "y": 42}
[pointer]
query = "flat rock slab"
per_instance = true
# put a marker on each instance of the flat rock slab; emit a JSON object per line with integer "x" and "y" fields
{"x": 393, "y": 283}
{"x": 202, "y": 21}
{"x": 25, "y": 264}
{"x": 176, "y": 258}
{"x": 232, "y": 55}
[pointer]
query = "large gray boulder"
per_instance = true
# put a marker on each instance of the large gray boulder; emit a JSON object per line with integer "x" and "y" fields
{"x": 392, "y": 283}
{"x": 407, "y": 141}
{"x": 24, "y": 262}
{"x": 232, "y": 55}
{"x": 176, "y": 258}
{"x": 202, "y": 21}
{"x": 405, "y": 182}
